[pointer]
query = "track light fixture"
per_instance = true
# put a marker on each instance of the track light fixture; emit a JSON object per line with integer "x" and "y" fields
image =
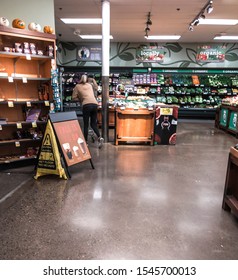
{"x": 148, "y": 23}
{"x": 208, "y": 8}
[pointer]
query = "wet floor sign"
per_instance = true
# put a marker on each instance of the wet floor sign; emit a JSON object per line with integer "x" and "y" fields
{"x": 49, "y": 161}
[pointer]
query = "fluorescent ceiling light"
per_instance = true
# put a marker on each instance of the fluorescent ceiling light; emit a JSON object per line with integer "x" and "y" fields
{"x": 82, "y": 20}
{"x": 226, "y": 38}
{"x": 163, "y": 37}
{"x": 218, "y": 21}
{"x": 93, "y": 37}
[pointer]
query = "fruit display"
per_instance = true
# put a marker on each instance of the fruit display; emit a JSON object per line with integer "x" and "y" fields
{"x": 231, "y": 101}
{"x": 48, "y": 29}
{"x": 4, "y": 21}
{"x": 18, "y": 23}
{"x": 33, "y": 26}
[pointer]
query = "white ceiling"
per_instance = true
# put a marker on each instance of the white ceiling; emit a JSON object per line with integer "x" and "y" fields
{"x": 128, "y": 19}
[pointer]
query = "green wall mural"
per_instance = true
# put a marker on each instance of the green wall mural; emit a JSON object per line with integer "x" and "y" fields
{"x": 124, "y": 55}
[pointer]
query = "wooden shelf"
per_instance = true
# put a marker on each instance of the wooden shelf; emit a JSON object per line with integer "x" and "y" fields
{"x": 31, "y": 76}
{"x": 5, "y": 142}
{"x": 16, "y": 32}
{"x": 22, "y": 123}
{"x": 15, "y": 55}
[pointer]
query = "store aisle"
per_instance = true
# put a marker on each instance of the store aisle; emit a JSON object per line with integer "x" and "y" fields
{"x": 141, "y": 202}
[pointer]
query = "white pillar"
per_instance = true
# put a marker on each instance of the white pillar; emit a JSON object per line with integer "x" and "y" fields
{"x": 105, "y": 66}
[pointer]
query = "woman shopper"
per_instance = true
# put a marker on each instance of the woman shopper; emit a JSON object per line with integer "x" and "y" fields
{"x": 83, "y": 92}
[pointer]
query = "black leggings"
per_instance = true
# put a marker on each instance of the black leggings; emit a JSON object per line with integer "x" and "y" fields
{"x": 90, "y": 112}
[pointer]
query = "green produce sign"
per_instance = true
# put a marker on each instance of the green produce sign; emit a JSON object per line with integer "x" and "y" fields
{"x": 233, "y": 121}
{"x": 223, "y": 117}
{"x": 150, "y": 54}
{"x": 209, "y": 53}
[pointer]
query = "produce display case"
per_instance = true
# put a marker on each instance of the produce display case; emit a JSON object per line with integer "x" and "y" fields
{"x": 134, "y": 126}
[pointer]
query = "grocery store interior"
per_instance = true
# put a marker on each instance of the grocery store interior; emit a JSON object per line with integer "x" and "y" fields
{"x": 164, "y": 184}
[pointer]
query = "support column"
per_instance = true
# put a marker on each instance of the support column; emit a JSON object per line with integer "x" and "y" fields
{"x": 105, "y": 67}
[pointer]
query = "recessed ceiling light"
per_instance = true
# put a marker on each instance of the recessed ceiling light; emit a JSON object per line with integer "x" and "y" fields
{"x": 82, "y": 20}
{"x": 163, "y": 37}
{"x": 93, "y": 37}
{"x": 226, "y": 38}
{"x": 219, "y": 21}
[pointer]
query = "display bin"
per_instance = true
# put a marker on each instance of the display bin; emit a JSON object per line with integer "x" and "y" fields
{"x": 230, "y": 197}
{"x": 166, "y": 119}
{"x": 111, "y": 116}
{"x": 223, "y": 117}
{"x": 228, "y": 119}
{"x": 134, "y": 126}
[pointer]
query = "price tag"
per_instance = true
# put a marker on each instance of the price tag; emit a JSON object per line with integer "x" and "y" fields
{"x": 19, "y": 125}
{"x": 28, "y": 104}
{"x": 47, "y": 103}
{"x": 0, "y": 127}
{"x": 34, "y": 124}
{"x": 10, "y": 104}
{"x": 28, "y": 57}
{"x": 150, "y": 108}
{"x": 17, "y": 144}
{"x": 24, "y": 80}
{"x": 122, "y": 108}
{"x": 10, "y": 79}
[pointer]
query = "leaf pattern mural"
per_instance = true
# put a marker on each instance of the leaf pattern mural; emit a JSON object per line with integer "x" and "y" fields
{"x": 124, "y": 54}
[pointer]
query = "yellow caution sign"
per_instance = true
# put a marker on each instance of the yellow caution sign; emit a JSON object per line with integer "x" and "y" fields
{"x": 49, "y": 157}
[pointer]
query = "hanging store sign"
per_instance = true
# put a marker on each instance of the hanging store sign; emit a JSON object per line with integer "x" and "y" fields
{"x": 150, "y": 54}
{"x": 89, "y": 53}
{"x": 207, "y": 53}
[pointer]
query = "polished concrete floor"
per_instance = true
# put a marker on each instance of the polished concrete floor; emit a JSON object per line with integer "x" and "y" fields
{"x": 140, "y": 202}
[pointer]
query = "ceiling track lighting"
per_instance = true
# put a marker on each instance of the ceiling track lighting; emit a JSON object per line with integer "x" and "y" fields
{"x": 208, "y": 8}
{"x": 148, "y": 23}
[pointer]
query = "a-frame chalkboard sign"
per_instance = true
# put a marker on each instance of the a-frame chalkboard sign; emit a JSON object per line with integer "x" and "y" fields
{"x": 63, "y": 145}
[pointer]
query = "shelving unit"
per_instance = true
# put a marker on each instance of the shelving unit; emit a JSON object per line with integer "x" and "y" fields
{"x": 25, "y": 93}
{"x": 198, "y": 93}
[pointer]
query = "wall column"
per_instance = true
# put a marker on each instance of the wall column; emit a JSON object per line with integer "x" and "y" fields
{"x": 105, "y": 66}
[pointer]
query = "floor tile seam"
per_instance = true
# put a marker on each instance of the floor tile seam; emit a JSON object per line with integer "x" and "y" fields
{"x": 11, "y": 193}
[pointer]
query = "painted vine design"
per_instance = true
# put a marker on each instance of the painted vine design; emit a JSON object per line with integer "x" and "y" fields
{"x": 126, "y": 52}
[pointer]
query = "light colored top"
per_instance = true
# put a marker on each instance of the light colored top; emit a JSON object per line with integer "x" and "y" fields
{"x": 84, "y": 93}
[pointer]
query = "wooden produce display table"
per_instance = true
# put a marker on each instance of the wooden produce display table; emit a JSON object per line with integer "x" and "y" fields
{"x": 111, "y": 117}
{"x": 230, "y": 197}
{"x": 134, "y": 125}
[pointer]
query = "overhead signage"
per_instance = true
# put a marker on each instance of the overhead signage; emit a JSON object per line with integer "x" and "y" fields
{"x": 89, "y": 53}
{"x": 188, "y": 71}
{"x": 208, "y": 53}
{"x": 150, "y": 54}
